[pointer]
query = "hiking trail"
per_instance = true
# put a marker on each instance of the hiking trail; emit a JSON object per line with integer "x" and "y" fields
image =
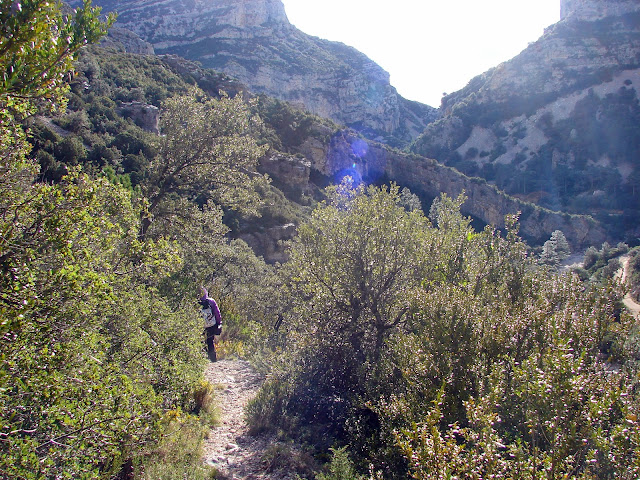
{"x": 576, "y": 260}
{"x": 229, "y": 447}
{"x": 628, "y": 301}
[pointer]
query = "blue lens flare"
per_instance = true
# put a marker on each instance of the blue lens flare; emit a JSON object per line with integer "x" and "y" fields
{"x": 359, "y": 148}
{"x": 351, "y": 175}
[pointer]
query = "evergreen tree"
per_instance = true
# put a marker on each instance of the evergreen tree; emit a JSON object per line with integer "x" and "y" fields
{"x": 555, "y": 250}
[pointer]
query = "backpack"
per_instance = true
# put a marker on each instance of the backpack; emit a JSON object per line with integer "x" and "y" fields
{"x": 209, "y": 318}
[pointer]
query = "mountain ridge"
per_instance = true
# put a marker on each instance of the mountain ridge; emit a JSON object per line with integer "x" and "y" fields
{"x": 329, "y": 158}
{"x": 253, "y": 41}
{"x": 558, "y": 123}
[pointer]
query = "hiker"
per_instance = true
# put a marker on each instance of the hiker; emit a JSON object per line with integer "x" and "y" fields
{"x": 212, "y": 322}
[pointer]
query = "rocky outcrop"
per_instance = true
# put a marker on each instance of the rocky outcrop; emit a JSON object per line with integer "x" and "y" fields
{"x": 332, "y": 155}
{"x": 253, "y": 41}
{"x": 347, "y": 153}
{"x": 290, "y": 170}
{"x": 267, "y": 242}
{"x": 181, "y": 23}
{"x": 572, "y": 55}
{"x": 595, "y": 9}
{"x": 211, "y": 82}
{"x": 144, "y": 115}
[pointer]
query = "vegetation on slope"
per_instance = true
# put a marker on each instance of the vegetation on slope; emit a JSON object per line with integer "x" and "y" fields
{"x": 101, "y": 365}
{"x": 101, "y": 132}
{"x": 434, "y": 351}
{"x": 407, "y": 345}
{"x": 583, "y": 160}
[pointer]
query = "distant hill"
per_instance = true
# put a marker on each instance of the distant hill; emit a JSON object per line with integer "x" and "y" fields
{"x": 113, "y": 115}
{"x": 559, "y": 124}
{"x": 253, "y": 41}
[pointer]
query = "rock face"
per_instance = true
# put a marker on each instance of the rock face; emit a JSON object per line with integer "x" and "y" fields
{"x": 344, "y": 153}
{"x": 595, "y": 9}
{"x": 559, "y": 124}
{"x": 289, "y": 170}
{"x": 574, "y": 54}
{"x": 144, "y": 115}
{"x": 268, "y": 242}
{"x": 253, "y": 41}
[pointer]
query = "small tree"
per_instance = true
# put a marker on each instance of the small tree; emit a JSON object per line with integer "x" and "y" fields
{"x": 354, "y": 263}
{"x": 206, "y": 151}
{"x": 349, "y": 279}
{"x": 340, "y": 467}
{"x": 556, "y": 249}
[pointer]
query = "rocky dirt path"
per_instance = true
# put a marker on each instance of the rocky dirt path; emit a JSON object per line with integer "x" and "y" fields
{"x": 633, "y": 307}
{"x": 229, "y": 447}
{"x": 621, "y": 274}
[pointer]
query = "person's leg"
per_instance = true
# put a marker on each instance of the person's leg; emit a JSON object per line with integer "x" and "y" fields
{"x": 211, "y": 345}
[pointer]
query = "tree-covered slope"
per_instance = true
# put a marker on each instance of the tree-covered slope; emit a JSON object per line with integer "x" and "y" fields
{"x": 557, "y": 124}
{"x": 426, "y": 349}
{"x": 100, "y": 339}
{"x": 254, "y": 42}
{"x": 111, "y": 127}
{"x": 387, "y": 332}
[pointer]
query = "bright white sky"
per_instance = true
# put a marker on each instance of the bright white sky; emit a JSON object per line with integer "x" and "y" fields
{"x": 428, "y": 46}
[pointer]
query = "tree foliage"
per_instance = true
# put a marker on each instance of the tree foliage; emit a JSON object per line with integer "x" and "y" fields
{"x": 494, "y": 369}
{"x": 354, "y": 263}
{"x": 72, "y": 394}
{"x": 37, "y": 46}
{"x": 99, "y": 339}
{"x": 347, "y": 284}
{"x": 206, "y": 151}
{"x": 555, "y": 250}
{"x": 426, "y": 348}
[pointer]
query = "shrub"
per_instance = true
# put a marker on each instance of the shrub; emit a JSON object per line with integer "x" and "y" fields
{"x": 178, "y": 454}
{"x": 340, "y": 467}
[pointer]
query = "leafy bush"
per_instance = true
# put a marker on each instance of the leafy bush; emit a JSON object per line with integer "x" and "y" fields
{"x": 340, "y": 467}
{"x": 178, "y": 453}
{"x": 285, "y": 459}
{"x": 603, "y": 264}
{"x": 101, "y": 343}
{"x": 99, "y": 353}
{"x": 494, "y": 369}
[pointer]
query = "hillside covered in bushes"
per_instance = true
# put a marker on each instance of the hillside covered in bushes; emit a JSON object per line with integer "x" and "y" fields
{"x": 394, "y": 333}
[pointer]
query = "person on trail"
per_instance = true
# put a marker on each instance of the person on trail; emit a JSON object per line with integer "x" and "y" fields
{"x": 212, "y": 322}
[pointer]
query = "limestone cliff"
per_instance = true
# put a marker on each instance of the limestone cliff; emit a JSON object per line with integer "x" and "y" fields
{"x": 558, "y": 124}
{"x": 253, "y": 41}
{"x": 595, "y": 9}
{"x": 332, "y": 154}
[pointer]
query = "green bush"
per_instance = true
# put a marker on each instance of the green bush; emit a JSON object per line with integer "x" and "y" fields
{"x": 340, "y": 467}
{"x": 178, "y": 454}
{"x": 496, "y": 367}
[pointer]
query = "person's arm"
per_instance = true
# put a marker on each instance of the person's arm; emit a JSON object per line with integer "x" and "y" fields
{"x": 215, "y": 310}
